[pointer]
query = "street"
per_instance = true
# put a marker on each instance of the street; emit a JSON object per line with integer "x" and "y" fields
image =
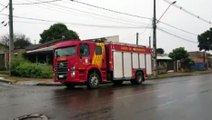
{"x": 182, "y": 98}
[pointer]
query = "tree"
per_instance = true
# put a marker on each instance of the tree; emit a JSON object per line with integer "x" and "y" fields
{"x": 182, "y": 55}
{"x": 57, "y": 31}
{"x": 5, "y": 40}
{"x": 20, "y": 41}
{"x": 178, "y": 54}
{"x": 205, "y": 40}
{"x": 160, "y": 51}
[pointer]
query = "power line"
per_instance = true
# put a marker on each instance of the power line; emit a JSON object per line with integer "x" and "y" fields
{"x": 62, "y": 7}
{"x": 147, "y": 27}
{"x": 179, "y": 29}
{"x": 28, "y": 18}
{"x": 79, "y": 24}
{"x": 3, "y": 5}
{"x": 131, "y": 15}
{"x": 33, "y": 3}
{"x": 106, "y": 9}
{"x": 122, "y": 21}
{"x": 3, "y": 8}
{"x": 50, "y": 2}
{"x": 88, "y": 8}
{"x": 174, "y": 35}
{"x": 86, "y": 25}
{"x": 190, "y": 13}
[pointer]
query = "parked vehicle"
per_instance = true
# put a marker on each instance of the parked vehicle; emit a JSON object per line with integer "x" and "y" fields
{"x": 93, "y": 62}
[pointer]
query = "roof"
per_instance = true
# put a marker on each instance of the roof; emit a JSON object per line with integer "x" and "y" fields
{"x": 163, "y": 58}
{"x": 49, "y": 46}
{"x": 38, "y": 46}
{"x": 45, "y": 49}
{"x": 31, "y": 47}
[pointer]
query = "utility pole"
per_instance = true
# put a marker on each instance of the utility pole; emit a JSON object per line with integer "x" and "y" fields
{"x": 137, "y": 37}
{"x": 154, "y": 25}
{"x": 154, "y": 41}
{"x": 11, "y": 45}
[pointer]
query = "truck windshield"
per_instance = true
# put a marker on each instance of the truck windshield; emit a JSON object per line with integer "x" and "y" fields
{"x": 68, "y": 51}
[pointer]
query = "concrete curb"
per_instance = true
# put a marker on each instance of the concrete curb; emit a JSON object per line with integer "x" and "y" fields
{"x": 48, "y": 84}
{"x": 181, "y": 75}
{"x": 36, "y": 84}
{"x": 5, "y": 81}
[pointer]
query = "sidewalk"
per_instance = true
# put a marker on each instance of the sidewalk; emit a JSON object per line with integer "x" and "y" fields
{"x": 180, "y": 74}
{"x": 49, "y": 82}
{"x": 27, "y": 81}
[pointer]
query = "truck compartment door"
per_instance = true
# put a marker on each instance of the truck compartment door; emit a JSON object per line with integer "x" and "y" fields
{"x": 122, "y": 65}
{"x": 142, "y": 61}
{"x": 149, "y": 64}
{"x": 127, "y": 65}
{"x": 118, "y": 65}
{"x": 135, "y": 61}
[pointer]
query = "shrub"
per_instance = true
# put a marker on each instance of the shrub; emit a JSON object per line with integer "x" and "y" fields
{"x": 24, "y": 68}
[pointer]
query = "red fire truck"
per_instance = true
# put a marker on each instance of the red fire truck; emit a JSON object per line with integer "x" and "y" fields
{"x": 93, "y": 62}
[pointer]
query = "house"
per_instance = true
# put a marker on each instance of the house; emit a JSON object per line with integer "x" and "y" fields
{"x": 201, "y": 60}
{"x": 198, "y": 56}
{"x": 41, "y": 53}
{"x": 164, "y": 63}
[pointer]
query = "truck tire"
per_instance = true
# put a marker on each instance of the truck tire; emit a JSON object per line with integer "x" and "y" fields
{"x": 117, "y": 82}
{"x": 138, "y": 78}
{"x": 93, "y": 81}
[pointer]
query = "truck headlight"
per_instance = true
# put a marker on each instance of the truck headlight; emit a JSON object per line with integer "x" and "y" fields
{"x": 73, "y": 74}
{"x": 73, "y": 69}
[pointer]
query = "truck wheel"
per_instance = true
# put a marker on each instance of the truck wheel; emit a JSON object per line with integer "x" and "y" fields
{"x": 117, "y": 82}
{"x": 93, "y": 80}
{"x": 138, "y": 78}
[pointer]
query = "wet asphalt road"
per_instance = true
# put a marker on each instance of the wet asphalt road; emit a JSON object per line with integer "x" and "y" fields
{"x": 183, "y": 98}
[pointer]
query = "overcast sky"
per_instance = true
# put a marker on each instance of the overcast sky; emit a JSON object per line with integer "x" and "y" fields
{"x": 100, "y": 23}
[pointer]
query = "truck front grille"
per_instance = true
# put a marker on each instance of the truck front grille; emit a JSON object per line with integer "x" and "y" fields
{"x": 62, "y": 70}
